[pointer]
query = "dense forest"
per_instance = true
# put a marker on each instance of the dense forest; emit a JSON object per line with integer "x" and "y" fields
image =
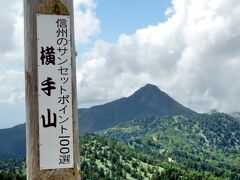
{"x": 13, "y": 169}
{"x": 205, "y": 143}
{"x": 147, "y": 135}
{"x": 170, "y": 147}
{"x": 105, "y": 158}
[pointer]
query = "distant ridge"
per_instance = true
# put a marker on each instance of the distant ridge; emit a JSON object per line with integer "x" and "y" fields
{"x": 236, "y": 115}
{"x": 13, "y": 142}
{"x": 148, "y": 100}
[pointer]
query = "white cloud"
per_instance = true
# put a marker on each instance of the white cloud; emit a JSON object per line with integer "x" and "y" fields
{"x": 193, "y": 56}
{"x": 12, "y": 38}
{"x": 12, "y": 48}
{"x": 12, "y": 88}
{"x": 86, "y": 22}
{"x": 8, "y": 19}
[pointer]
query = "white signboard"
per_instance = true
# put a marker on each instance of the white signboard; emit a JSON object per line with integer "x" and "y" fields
{"x": 55, "y": 92}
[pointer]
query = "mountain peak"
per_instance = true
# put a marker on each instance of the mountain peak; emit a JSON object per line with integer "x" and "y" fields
{"x": 150, "y": 87}
{"x": 147, "y": 90}
{"x": 148, "y": 100}
{"x": 150, "y": 92}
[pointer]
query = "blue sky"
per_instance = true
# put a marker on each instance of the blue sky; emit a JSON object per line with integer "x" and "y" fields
{"x": 125, "y": 17}
{"x": 118, "y": 17}
{"x": 187, "y": 48}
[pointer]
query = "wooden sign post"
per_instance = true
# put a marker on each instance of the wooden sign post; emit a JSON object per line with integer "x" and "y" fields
{"x": 51, "y": 97}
